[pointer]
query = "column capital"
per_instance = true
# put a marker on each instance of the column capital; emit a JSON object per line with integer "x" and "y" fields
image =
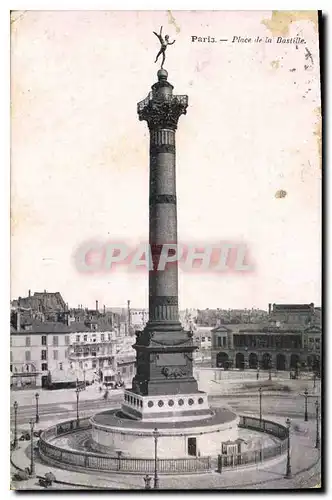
{"x": 163, "y": 112}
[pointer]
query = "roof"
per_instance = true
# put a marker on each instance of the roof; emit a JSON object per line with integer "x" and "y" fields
{"x": 292, "y": 307}
{"x": 49, "y": 327}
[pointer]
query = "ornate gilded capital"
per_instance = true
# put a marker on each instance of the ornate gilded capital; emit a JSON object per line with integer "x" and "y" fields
{"x": 162, "y": 113}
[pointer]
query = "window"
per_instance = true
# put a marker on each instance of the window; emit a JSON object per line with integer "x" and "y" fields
{"x": 203, "y": 339}
{"x": 60, "y": 366}
{"x": 78, "y": 338}
{"x": 27, "y": 342}
{"x": 44, "y": 367}
{"x": 124, "y": 369}
{"x": 44, "y": 355}
{"x": 27, "y": 356}
{"x": 55, "y": 355}
{"x": 11, "y": 357}
{"x": 81, "y": 365}
{"x": 85, "y": 338}
{"x": 209, "y": 338}
{"x": 55, "y": 340}
{"x": 224, "y": 340}
{"x": 11, "y": 342}
{"x": 67, "y": 339}
{"x": 102, "y": 337}
{"x": 109, "y": 336}
{"x": 44, "y": 340}
{"x": 219, "y": 342}
{"x": 94, "y": 363}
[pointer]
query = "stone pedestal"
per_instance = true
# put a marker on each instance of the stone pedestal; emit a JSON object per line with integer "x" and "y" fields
{"x": 135, "y": 438}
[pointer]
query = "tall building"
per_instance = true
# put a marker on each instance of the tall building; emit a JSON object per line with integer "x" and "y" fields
{"x": 81, "y": 344}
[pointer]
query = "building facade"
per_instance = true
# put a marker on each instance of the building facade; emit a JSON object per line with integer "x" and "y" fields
{"x": 36, "y": 351}
{"x": 58, "y": 353}
{"x": 290, "y": 340}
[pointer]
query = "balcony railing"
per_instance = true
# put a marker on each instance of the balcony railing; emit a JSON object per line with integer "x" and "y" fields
{"x": 180, "y": 99}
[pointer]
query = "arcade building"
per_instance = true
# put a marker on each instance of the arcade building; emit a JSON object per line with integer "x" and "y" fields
{"x": 290, "y": 340}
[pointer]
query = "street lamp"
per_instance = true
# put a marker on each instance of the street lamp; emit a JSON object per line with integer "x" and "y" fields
{"x": 260, "y": 406}
{"x": 15, "y": 424}
{"x": 77, "y": 400}
{"x": 37, "y": 412}
{"x": 314, "y": 380}
{"x": 156, "y": 479}
{"x": 317, "y": 425}
{"x": 306, "y": 405}
{"x": 270, "y": 369}
{"x": 32, "y": 462}
{"x": 288, "y": 466}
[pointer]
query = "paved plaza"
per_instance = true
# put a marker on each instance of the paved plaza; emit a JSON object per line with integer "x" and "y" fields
{"x": 276, "y": 406}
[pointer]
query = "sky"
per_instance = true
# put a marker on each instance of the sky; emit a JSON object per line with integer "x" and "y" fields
{"x": 79, "y": 155}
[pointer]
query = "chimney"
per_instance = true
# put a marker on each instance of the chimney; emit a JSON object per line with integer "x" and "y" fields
{"x": 96, "y": 305}
{"x": 29, "y": 293}
{"x": 104, "y": 310}
{"x": 270, "y": 308}
{"x": 18, "y": 320}
{"x": 129, "y": 319}
{"x": 44, "y": 291}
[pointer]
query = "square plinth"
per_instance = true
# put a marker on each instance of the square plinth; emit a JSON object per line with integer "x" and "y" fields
{"x": 166, "y": 407}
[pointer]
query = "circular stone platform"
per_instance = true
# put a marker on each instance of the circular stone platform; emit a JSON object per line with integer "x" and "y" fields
{"x": 112, "y": 430}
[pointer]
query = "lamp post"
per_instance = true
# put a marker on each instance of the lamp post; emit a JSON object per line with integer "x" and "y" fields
{"x": 32, "y": 462}
{"x": 15, "y": 424}
{"x": 156, "y": 479}
{"x": 270, "y": 369}
{"x": 260, "y": 406}
{"x": 306, "y": 405}
{"x": 314, "y": 380}
{"x": 77, "y": 400}
{"x": 288, "y": 466}
{"x": 84, "y": 378}
{"x": 317, "y": 425}
{"x": 37, "y": 409}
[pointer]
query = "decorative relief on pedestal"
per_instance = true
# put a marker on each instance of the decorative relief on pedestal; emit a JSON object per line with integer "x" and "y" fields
{"x": 173, "y": 372}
